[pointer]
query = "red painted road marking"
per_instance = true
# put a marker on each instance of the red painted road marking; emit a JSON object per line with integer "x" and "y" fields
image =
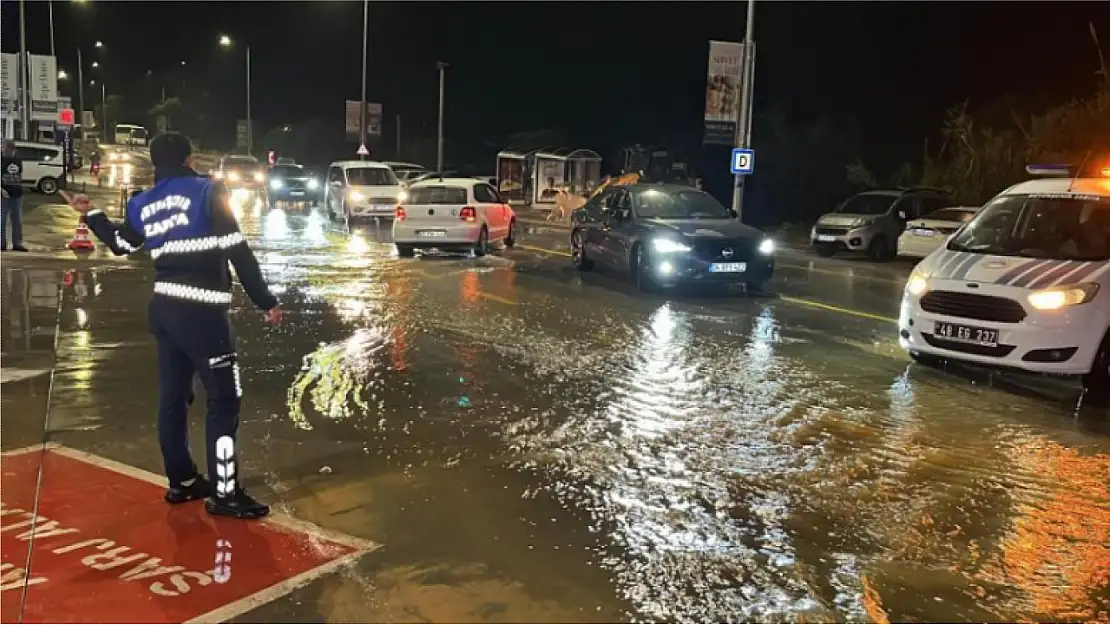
{"x": 106, "y": 548}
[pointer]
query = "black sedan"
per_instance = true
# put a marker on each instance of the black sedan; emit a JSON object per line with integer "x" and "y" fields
{"x": 665, "y": 235}
{"x": 293, "y": 184}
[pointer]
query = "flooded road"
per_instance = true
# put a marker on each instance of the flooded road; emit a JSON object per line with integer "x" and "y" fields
{"x": 530, "y": 444}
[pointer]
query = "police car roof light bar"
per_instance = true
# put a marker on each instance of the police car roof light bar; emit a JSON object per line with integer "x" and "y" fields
{"x": 1058, "y": 170}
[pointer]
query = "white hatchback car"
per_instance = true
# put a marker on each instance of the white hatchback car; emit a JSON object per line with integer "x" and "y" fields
{"x": 924, "y": 235}
{"x": 361, "y": 189}
{"x": 451, "y": 214}
{"x": 42, "y": 165}
{"x": 1025, "y": 285}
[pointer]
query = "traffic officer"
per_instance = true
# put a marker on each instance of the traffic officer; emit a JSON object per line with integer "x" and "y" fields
{"x": 186, "y": 224}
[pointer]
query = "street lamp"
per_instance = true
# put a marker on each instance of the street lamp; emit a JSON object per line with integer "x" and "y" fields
{"x": 225, "y": 42}
{"x": 96, "y": 64}
{"x": 98, "y": 44}
{"x": 62, "y": 75}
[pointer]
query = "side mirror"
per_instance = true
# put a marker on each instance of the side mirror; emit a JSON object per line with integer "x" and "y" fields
{"x": 902, "y": 215}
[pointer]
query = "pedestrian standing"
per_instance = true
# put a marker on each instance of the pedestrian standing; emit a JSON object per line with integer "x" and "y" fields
{"x": 186, "y": 224}
{"x": 11, "y": 208}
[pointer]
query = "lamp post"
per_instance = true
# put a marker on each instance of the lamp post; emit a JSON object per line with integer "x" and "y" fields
{"x": 439, "y": 138}
{"x": 744, "y": 122}
{"x": 24, "y": 78}
{"x": 225, "y": 41}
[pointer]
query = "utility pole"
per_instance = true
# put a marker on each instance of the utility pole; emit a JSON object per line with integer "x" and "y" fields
{"x": 439, "y": 141}
{"x": 398, "y": 137}
{"x": 744, "y": 121}
{"x": 104, "y": 113}
{"x": 81, "y": 93}
{"x": 250, "y": 137}
{"x": 53, "y": 52}
{"x": 24, "y": 78}
{"x": 362, "y": 108}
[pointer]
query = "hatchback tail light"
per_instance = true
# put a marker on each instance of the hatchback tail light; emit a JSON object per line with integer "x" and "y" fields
{"x": 399, "y": 213}
{"x": 468, "y": 213}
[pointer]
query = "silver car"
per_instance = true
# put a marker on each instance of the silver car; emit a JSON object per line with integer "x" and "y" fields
{"x": 872, "y": 221}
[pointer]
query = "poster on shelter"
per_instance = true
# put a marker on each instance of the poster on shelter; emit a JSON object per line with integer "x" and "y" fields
{"x": 549, "y": 178}
{"x": 510, "y": 179}
{"x": 722, "y": 92}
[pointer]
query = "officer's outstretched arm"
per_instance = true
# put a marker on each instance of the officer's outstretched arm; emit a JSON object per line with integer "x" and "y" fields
{"x": 121, "y": 239}
{"x": 240, "y": 254}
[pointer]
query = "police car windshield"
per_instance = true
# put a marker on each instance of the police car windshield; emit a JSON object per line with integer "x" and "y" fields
{"x": 866, "y": 204}
{"x": 371, "y": 177}
{"x": 678, "y": 204}
{"x": 1040, "y": 226}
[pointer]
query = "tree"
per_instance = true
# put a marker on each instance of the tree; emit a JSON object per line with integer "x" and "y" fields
{"x": 173, "y": 110}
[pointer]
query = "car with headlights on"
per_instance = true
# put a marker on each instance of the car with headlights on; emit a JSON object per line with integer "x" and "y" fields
{"x": 663, "y": 235}
{"x": 453, "y": 214}
{"x": 1025, "y": 285}
{"x": 924, "y": 235}
{"x": 871, "y": 221}
{"x": 292, "y": 185}
{"x": 358, "y": 190}
{"x": 244, "y": 176}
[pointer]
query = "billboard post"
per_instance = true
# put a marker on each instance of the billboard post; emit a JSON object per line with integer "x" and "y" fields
{"x": 747, "y": 97}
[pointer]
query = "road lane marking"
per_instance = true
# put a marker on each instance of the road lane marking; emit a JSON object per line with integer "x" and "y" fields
{"x": 544, "y": 250}
{"x": 838, "y": 309}
{"x": 841, "y": 274}
{"x": 498, "y": 299}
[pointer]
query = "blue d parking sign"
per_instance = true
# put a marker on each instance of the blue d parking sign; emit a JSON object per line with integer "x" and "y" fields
{"x": 743, "y": 161}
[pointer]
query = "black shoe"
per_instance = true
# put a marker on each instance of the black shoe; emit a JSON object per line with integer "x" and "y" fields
{"x": 199, "y": 489}
{"x": 239, "y": 506}
{"x": 19, "y": 248}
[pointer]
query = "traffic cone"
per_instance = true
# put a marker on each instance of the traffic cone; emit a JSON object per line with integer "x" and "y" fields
{"x": 82, "y": 240}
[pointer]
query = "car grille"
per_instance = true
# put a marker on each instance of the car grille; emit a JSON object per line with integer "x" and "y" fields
{"x": 385, "y": 199}
{"x": 973, "y": 306}
{"x": 713, "y": 251}
{"x": 836, "y": 232}
{"x": 996, "y": 351}
{"x": 292, "y": 184}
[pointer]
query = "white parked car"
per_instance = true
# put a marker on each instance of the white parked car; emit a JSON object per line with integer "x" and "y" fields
{"x": 1024, "y": 285}
{"x": 452, "y": 214}
{"x": 361, "y": 189}
{"x": 924, "y": 235}
{"x": 42, "y": 165}
{"x": 406, "y": 172}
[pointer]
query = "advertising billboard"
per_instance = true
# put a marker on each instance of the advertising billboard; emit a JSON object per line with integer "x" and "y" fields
{"x": 722, "y": 92}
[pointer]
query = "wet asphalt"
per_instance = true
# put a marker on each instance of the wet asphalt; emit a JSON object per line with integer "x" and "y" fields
{"x": 532, "y": 444}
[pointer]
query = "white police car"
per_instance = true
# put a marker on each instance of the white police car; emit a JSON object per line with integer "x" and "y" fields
{"x": 1024, "y": 285}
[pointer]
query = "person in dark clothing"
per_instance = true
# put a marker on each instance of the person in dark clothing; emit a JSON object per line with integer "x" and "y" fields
{"x": 184, "y": 221}
{"x": 11, "y": 206}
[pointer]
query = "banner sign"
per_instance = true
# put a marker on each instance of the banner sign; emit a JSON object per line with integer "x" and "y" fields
{"x": 9, "y": 82}
{"x": 373, "y": 119}
{"x": 722, "y": 92}
{"x": 44, "y": 87}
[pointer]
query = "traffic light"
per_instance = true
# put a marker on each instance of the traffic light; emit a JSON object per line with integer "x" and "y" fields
{"x": 66, "y": 117}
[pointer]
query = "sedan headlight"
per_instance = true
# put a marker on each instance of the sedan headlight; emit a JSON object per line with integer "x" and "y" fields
{"x": 259, "y": 176}
{"x": 356, "y": 196}
{"x": 917, "y": 284}
{"x": 669, "y": 246}
{"x": 1062, "y": 296}
{"x": 767, "y": 247}
{"x": 275, "y": 184}
{"x": 312, "y": 184}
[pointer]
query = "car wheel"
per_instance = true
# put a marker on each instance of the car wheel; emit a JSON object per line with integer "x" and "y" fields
{"x": 578, "y": 252}
{"x": 879, "y": 249}
{"x": 824, "y": 250}
{"x": 406, "y": 251}
{"x": 1096, "y": 383}
{"x": 510, "y": 240}
{"x": 640, "y": 270}
{"x": 49, "y": 186}
{"x": 481, "y": 248}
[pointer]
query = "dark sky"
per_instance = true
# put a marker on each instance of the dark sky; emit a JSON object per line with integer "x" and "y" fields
{"x": 607, "y": 72}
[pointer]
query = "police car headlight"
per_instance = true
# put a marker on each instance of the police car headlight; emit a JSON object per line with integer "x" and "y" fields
{"x": 1062, "y": 296}
{"x": 275, "y": 184}
{"x": 259, "y": 176}
{"x": 917, "y": 284}
{"x": 767, "y": 247}
{"x": 669, "y": 246}
{"x": 312, "y": 183}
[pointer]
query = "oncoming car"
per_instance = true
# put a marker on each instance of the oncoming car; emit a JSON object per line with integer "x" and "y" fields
{"x": 924, "y": 235}
{"x": 453, "y": 214}
{"x": 872, "y": 221}
{"x": 292, "y": 184}
{"x": 1025, "y": 285}
{"x": 244, "y": 176}
{"x": 663, "y": 235}
{"x": 360, "y": 190}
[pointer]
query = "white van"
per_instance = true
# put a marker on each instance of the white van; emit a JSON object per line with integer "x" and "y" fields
{"x": 130, "y": 134}
{"x": 1024, "y": 285}
{"x": 361, "y": 189}
{"x": 42, "y": 165}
